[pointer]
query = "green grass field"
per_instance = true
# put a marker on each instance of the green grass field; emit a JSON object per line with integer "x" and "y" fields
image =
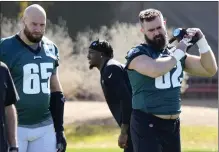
{"x": 119, "y": 150}
{"x": 104, "y": 139}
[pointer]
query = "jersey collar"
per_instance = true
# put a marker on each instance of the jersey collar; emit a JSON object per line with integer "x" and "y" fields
{"x": 27, "y": 46}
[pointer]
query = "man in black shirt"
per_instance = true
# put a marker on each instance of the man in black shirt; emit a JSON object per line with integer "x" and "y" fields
{"x": 116, "y": 88}
{"x": 8, "y": 117}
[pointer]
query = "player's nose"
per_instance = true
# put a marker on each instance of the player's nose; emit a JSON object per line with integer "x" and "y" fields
{"x": 156, "y": 32}
{"x": 88, "y": 56}
{"x": 37, "y": 29}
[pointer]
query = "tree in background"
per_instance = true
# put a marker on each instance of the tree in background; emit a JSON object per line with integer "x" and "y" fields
{"x": 22, "y": 5}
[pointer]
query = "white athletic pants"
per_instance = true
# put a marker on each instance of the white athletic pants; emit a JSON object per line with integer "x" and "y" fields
{"x": 40, "y": 139}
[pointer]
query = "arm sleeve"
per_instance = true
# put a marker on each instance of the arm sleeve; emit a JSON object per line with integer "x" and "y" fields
{"x": 57, "y": 102}
{"x": 114, "y": 78}
{"x": 11, "y": 92}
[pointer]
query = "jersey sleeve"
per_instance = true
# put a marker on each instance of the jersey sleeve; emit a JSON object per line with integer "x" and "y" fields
{"x": 53, "y": 49}
{"x": 56, "y": 52}
{"x": 133, "y": 53}
{"x": 1, "y": 49}
{"x": 11, "y": 92}
{"x": 57, "y": 56}
{"x": 5, "y": 51}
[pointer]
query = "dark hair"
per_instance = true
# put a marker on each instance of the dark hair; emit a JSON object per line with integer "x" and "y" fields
{"x": 102, "y": 46}
{"x": 149, "y": 15}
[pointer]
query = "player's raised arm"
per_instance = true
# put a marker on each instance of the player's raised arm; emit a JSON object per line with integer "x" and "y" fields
{"x": 205, "y": 64}
{"x": 156, "y": 67}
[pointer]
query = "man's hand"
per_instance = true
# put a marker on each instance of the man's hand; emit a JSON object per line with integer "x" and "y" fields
{"x": 123, "y": 137}
{"x": 195, "y": 31}
{"x": 60, "y": 142}
{"x": 179, "y": 51}
{"x": 123, "y": 140}
{"x": 201, "y": 40}
{"x": 193, "y": 36}
{"x": 184, "y": 44}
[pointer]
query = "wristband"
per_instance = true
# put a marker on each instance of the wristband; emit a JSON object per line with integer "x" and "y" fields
{"x": 203, "y": 45}
{"x": 178, "y": 54}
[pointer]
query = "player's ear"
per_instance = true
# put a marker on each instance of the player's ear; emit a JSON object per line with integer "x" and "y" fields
{"x": 101, "y": 55}
{"x": 164, "y": 22}
{"x": 142, "y": 30}
{"x": 23, "y": 21}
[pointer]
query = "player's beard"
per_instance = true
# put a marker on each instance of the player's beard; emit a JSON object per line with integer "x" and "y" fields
{"x": 91, "y": 67}
{"x": 30, "y": 36}
{"x": 158, "y": 43}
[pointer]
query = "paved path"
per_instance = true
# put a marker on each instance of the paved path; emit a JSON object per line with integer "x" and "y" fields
{"x": 76, "y": 112}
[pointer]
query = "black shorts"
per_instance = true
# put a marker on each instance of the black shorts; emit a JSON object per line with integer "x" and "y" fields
{"x": 152, "y": 134}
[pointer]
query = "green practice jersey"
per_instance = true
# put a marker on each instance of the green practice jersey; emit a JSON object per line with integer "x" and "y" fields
{"x": 159, "y": 95}
{"x": 31, "y": 71}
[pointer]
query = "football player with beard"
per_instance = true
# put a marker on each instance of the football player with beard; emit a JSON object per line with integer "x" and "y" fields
{"x": 155, "y": 72}
{"x": 116, "y": 88}
{"x": 33, "y": 62}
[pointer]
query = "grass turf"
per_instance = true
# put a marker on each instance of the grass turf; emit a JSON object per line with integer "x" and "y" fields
{"x": 119, "y": 150}
{"x": 91, "y": 138}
